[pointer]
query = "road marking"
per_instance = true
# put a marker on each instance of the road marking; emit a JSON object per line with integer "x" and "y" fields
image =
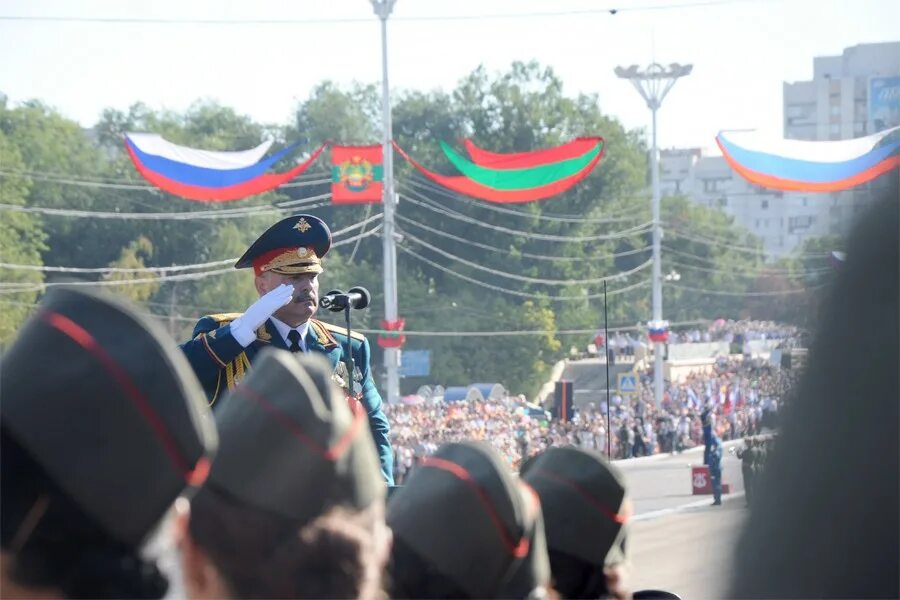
{"x": 655, "y": 514}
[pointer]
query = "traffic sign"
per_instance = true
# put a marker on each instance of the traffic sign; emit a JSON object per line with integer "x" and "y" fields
{"x": 628, "y": 383}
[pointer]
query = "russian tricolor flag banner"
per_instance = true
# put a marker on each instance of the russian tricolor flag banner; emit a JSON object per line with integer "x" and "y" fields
{"x": 810, "y": 166}
{"x": 208, "y": 176}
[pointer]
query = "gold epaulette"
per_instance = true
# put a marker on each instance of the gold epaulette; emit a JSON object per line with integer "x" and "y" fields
{"x": 224, "y": 317}
{"x": 323, "y": 335}
{"x": 341, "y": 330}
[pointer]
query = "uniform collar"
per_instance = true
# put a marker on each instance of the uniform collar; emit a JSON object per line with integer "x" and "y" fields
{"x": 283, "y": 330}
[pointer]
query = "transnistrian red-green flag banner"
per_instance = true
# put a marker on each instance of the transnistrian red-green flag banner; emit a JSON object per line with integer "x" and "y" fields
{"x": 357, "y": 174}
{"x": 519, "y": 176}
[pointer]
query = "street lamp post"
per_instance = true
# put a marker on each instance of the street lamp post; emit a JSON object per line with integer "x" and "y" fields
{"x": 383, "y": 10}
{"x": 653, "y": 84}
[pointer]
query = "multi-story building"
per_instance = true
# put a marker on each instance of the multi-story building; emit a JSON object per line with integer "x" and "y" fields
{"x": 781, "y": 221}
{"x": 851, "y": 95}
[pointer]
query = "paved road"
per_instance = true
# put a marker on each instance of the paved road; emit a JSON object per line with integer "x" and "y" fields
{"x": 689, "y": 552}
{"x": 663, "y": 481}
{"x": 678, "y": 542}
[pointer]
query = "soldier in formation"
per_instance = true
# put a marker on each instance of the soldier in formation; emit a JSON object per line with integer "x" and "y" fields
{"x": 96, "y": 446}
{"x": 748, "y": 457}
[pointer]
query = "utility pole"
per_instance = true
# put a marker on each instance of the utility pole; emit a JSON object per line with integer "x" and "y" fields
{"x": 653, "y": 84}
{"x": 383, "y": 10}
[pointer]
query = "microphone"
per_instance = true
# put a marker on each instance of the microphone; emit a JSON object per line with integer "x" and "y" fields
{"x": 336, "y": 300}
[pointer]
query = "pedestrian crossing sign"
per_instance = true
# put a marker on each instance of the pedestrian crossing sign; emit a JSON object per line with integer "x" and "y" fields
{"x": 628, "y": 383}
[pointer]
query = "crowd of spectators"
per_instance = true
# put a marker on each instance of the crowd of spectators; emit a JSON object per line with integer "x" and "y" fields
{"x": 744, "y": 396}
{"x": 623, "y": 343}
{"x": 735, "y": 331}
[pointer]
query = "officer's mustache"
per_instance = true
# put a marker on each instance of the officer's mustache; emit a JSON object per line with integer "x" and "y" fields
{"x": 304, "y": 298}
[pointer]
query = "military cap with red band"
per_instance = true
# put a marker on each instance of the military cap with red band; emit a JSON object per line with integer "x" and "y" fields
{"x": 289, "y": 444}
{"x": 464, "y": 513}
{"x": 105, "y": 403}
{"x": 583, "y": 501}
{"x": 291, "y": 246}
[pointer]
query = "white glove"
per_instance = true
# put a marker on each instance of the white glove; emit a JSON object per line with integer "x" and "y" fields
{"x": 244, "y": 327}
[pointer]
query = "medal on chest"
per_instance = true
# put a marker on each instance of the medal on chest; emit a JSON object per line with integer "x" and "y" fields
{"x": 352, "y": 387}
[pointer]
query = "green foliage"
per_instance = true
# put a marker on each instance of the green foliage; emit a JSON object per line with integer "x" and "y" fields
{"x": 232, "y": 291}
{"x": 21, "y": 242}
{"x": 133, "y": 257}
{"x": 716, "y": 256}
{"x": 347, "y": 117}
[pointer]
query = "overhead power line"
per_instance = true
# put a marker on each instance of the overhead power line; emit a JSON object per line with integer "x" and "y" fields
{"x": 709, "y": 242}
{"x": 504, "y": 290}
{"x": 225, "y": 213}
{"x": 610, "y": 10}
{"x": 536, "y": 280}
{"x": 17, "y": 289}
{"x": 712, "y": 261}
{"x": 751, "y": 272}
{"x": 14, "y": 288}
{"x": 523, "y": 254}
{"x": 633, "y": 231}
{"x": 308, "y": 178}
{"x": 720, "y": 244}
{"x": 751, "y": 294}
{"x": 424, "y": 185}
{"x": 104, "y": 270}
{"x": 172, "y": 268}
{"x": 134, "y": 186}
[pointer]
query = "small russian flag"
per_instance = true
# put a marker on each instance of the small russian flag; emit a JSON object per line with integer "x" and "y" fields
{"x": 658, "y": 331}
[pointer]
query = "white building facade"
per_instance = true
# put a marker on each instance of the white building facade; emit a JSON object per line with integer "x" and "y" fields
{"x": 781, "y": 221}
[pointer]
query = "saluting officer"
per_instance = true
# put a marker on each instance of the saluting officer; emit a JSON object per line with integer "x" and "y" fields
{"x": 286, "y": 260}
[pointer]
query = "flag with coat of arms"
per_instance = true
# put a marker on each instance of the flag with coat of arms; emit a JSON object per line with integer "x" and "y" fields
{"x": 357, "y": 174}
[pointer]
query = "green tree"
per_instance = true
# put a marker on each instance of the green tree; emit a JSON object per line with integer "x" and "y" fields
{"x": 346, "y": 117}
{"x": 710, "y": 253}
{"x": 54, "y": 150}
{"x": 231, "y": 291}
{"x": 133, "y": 257}
{"x": 21, "y": 243}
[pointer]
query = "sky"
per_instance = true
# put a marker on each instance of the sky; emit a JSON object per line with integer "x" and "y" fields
{"x": 742, "y": 51}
